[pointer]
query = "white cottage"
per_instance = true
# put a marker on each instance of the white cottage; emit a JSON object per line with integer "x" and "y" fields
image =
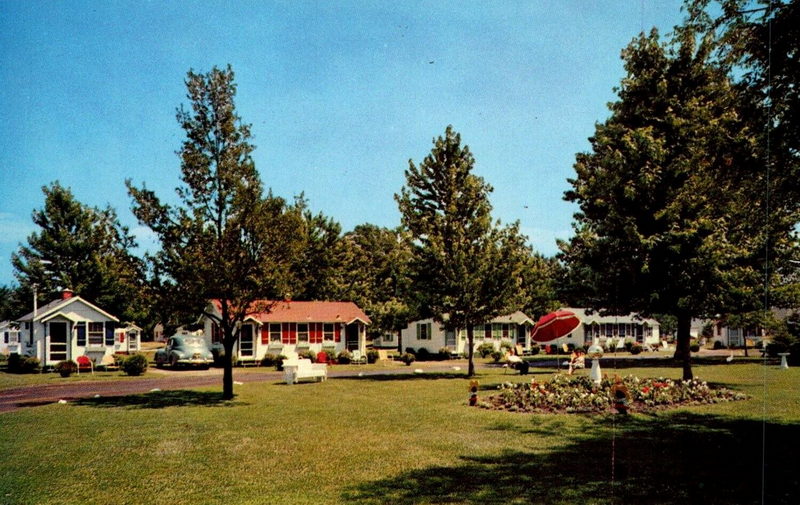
{"x": 513, "y": 329}
{"x": 605, "y": 329}
{"x": 9, "y": 343}
{"x": 294, "y": 327}
{"x": 70, "y": 327}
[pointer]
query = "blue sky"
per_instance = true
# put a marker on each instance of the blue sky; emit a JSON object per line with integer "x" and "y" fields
{"x": 340, "y": 96}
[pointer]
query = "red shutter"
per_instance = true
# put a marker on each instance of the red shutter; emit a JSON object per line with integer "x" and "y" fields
{"x": 337, "y": 331}
{"x": 505, "y": 331}
{"x": 318, "y": 331}
{"x": 487, "y": 331}
{"x": 285, "y": 333}
{"x": 292, "y": 333}
{"x": 265, "y": 333}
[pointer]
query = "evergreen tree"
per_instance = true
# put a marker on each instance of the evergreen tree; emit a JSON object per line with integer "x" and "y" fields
{"x": 84, "y": 249}
{"x": 665, "y": 225}
{"x": 226, "y": 241}
{"x": 465, "y": 269}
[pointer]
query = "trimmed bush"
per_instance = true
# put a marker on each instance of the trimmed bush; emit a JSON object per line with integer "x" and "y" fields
{"x": 535, "y": 349}
{"x": 23, "y": 364}
{"x": 485, "y": 349}
{"x": 344, "y": 358}
{"x": 66, "y": 368}
{"x": 135, "y": 364}
{"x": 411, "y": 350}
{"x": 496, "y": 356}
{"x": 506, "y": 345}
{"x": 636, "y": 349}
{"x": 407, "y": 358}
{"x": 269, "y": 359}
{"x": 694, "y": 347}
{"x": 444, "y": 354}
{"x": 309, "y": 354}
{"x": 372, "y": 356}
{"x": 423, "y": 354}
{"x": 718, "y": 345}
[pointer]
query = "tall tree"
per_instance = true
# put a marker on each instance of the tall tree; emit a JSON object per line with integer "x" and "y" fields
{"x": 226, "y": 241}
{"x": 84, "y": 249}
{"x": 663, "y": 226}
{"x": 465, "y": 268}
{"x": 375, "y": 275}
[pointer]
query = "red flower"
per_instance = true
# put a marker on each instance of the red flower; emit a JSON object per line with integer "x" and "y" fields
{"x": 645, "y": 390}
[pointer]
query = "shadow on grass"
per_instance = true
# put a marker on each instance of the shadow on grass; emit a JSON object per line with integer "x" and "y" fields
{"x": 668, "y": 459}
{"x": 160, "y": 400}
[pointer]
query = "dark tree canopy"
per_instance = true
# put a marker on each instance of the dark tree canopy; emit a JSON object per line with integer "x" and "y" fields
{"x": 81, "y": 248}
{"x": 465, "y": 269}
{"x": 668, "y": 222}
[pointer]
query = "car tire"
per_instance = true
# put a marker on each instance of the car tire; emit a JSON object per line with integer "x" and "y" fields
{"x": 173, "y": 361}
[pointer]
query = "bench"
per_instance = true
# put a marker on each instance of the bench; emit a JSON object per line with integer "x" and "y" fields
{"x": 296, "y": 369}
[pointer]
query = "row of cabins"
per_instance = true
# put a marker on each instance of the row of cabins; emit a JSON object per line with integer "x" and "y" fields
{"x": 71, "y": 326}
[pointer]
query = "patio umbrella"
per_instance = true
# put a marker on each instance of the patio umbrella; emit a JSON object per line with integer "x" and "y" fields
{"x": 555, "y": 325}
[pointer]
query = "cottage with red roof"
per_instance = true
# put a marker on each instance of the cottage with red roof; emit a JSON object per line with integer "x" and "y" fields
{"x": 295, "y": 327}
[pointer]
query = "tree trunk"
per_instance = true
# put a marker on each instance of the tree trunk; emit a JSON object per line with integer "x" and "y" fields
{"x": 682, "y": 351}
{"x": 227, "y": 370}
{"x": 470, "y": 351}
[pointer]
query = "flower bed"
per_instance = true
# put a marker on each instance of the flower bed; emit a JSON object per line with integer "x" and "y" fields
{"x": 578, "y": 394}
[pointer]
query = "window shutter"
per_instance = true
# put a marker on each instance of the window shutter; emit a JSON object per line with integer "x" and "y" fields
{"x": 81, "y": 334}
{"x": 337, "y": 331}
{"x": 487, "y": 331}
{"x": 317, "y": 335}
{"x": 265, "y": 334}
{"x": 109, "y": 333}
{"x": 292, "y": 333}
{"x": 285, "y": 333}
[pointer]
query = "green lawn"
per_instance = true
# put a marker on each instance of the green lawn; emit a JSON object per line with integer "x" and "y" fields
{"x": 403, "y": 440}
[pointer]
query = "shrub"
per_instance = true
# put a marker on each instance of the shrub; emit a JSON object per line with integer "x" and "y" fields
{"x": 309, "y": 354}
{"x": 718, "y": 345}
{"x": 23, "y": 364}
{"x": 344, "y": 358}
{"x": 372, "y": 356}
{"x": 535, "y": 349}
{"x": 66, "y": 368}
{"x": 423, "y": 354}
{"x": 485, "y": 349}
{"x": 629, "y": 344}
{"x": 269, "y": 359}
{"x": 407, "y": 358}
{"x": 411, "y": 350}
{"x": 636, "y": 348}
{"x": 694, "y": 346}
{"x": 506, "y": 345}
{"x": 444, "y": 354}
{"x": 496, "y": 356}
{"x": 279, "y": 362}
{"x": 135, "y": 364}
{"x": 331, "y": 355}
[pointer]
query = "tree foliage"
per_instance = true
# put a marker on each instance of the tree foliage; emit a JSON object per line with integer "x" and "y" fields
{"x": 376, "y": 277}
{"x": 81, "y": 248}
{"x": 465, "y": 269}
{"x": 226, "y": 240}
{"x": 662, "y": 227}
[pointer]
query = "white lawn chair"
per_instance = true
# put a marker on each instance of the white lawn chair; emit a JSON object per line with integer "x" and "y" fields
{"x": 359, "y": 358}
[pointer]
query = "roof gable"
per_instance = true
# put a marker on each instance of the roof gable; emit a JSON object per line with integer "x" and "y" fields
{"x": 55, "y": 306}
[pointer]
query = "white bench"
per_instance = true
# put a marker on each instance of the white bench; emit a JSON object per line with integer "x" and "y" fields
{"x": 296, "y": 369}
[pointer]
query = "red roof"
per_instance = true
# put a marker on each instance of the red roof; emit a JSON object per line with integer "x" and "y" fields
{"x": 301, "y": 312}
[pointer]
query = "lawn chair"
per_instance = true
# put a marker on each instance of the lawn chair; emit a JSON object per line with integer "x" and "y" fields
{"x": 109, "y": 362}
{"x": 85, "y": 364}
{"x": 359, "y": 358}
{"x": 383, "y": 357}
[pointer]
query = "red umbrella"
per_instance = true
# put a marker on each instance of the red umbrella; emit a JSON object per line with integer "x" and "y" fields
{"x": 555, "y": 325}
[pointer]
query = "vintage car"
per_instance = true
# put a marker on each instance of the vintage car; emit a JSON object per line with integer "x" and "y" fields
{"x": 185, "y": 350}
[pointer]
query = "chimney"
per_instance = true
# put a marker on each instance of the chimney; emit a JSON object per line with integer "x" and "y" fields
{"x": 66, "y": 294}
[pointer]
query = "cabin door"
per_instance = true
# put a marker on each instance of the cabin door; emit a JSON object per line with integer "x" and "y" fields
{"x": 351, "y": 337}
{"x": 58, "y": 342}
{"x": 450, "y": 339}
{"x": 246, "y": 341}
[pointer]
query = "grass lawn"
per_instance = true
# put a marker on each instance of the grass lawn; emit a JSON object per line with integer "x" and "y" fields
{"x": 403, "y": 440}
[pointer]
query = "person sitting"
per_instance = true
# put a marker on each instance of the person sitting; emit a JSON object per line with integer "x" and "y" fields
{"x": 576, "y": 360}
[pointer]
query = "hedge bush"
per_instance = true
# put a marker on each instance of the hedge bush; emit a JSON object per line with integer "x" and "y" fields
{"x": 485, "y": 349}
{"x": 66, "y": 368}
{"x": 135, "y": 364}
{"x": 23, "y": 364}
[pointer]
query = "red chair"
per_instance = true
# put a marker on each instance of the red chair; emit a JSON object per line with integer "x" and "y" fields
{"x": 84, "y": 364}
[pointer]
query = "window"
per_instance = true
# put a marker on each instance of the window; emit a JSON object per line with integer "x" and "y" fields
{"x": 302, "y": 332}
{"x": 423, "y": 331}
{"x": 497, "y": 330}
{"x": 327, "y": 331}
{"x": 388, "y": 337}
{"x": 275, "y": 332}
{"x": 216, "y": 333}
{"x": 95, "y": 333}
{"x": 477, "y": 331}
